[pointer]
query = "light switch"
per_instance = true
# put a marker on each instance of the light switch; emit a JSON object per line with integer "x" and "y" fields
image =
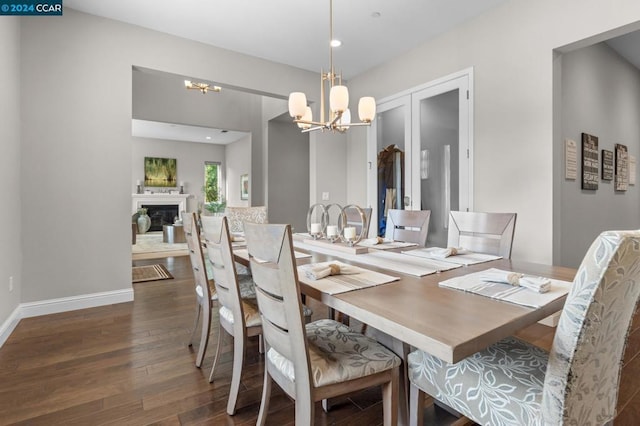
{"x": 325, "y": 196}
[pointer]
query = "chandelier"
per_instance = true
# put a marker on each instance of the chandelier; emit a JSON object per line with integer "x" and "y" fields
{"x": 338, "y": 116}
{"x": 202, "y": 87}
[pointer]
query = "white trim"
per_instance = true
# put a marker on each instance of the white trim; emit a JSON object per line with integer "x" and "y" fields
{"x": 63, "y": 304}
{"x": 9, "y": 325}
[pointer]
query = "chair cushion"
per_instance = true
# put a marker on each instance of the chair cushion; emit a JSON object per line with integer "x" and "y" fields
{"x": 501, "y": 385}
{"x": 250, "y": 310}
{"x": 338, "y": 354}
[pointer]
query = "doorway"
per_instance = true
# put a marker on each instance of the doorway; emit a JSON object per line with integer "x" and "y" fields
{"x": 421, "y": 147}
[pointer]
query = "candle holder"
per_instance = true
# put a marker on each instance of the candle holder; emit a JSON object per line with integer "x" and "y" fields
{"x": 138, "y": 189}
{"x": 333, "y": 231}
{"x": 352, "y": 240}
{"x": 182, "y": 189}
{"x": 315, "y": 233}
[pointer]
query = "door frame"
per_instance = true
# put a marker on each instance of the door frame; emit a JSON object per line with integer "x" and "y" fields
{"x": 462, "y": 80}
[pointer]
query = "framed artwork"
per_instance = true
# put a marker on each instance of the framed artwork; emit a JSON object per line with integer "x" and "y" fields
{"x": 244, "y": 187}
{"x": 160, "y": 172}
{"x": 607, "y": 164}
{"x": 622, "y": 168}
{"x": 589, "y": 161}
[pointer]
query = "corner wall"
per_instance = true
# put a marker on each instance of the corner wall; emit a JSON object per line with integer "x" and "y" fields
{"x": 11, "y": 213}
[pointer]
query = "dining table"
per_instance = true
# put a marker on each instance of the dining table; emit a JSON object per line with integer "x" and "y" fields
{"x": 415, "y": 311}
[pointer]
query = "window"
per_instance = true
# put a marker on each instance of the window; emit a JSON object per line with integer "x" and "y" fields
{"x": 212, "y": 181}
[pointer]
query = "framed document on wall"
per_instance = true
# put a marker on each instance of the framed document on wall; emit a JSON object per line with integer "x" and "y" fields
{"x": 607, "y": 164}
{"x": 589, "y": 161}
{"x": 622, "y": 168}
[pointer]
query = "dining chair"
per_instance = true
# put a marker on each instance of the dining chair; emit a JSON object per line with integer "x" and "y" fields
{"x": 204, "y": 294}
{"x": 410, "y": 226}
{"x": 239, "y": 317}
{"x": 354, "y": 219}
{"x": 490, "y": 233}
{"x": 315, "y": 361}
{"x": 238, "y": 215}
{"x": 515, "y": 383}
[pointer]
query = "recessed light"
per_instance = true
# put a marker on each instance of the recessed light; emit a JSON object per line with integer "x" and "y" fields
{"x": 208, "y": 138}
{"x": 335, "y": 43}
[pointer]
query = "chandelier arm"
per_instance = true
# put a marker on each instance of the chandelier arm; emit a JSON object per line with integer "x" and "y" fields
{"x": 313, "y": 129}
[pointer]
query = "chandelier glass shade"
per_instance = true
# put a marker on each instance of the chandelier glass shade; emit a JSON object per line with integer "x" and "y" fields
{"x": 338, "y": 115}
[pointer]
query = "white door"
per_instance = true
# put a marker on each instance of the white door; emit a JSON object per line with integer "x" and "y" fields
{"x": 432, "y": 124}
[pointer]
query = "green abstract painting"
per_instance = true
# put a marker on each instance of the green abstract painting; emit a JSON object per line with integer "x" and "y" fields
{"x": 160, "y": 172}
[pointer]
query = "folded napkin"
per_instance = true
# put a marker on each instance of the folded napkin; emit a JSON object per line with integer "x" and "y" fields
{"x": 537, "y": 284}
{"x": 237, "y": 238}
{"x": 449, "y": 251}
{"x": 374, "y": 241}
{"x": 319, "y": 271}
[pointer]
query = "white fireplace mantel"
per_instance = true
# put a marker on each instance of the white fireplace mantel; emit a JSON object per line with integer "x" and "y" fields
{"x": 138, "y": 200}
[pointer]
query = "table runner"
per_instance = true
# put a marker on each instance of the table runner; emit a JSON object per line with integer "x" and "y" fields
{"x": 385, "y": 245}
{"x": 473, "y": 283}
{"x": 335, "y": 284}
{"x": 459, "y": 259}
{"x": 244, "y": 254}
{"x": 396, "y": 262}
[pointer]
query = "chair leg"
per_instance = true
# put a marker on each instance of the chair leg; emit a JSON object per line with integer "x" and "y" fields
{"x": 221, "y": 333}
{"x": 236, "y": 374}
{"x": 266, "y": 396}
{"x": 260, "y": 344}
{"x": 390, "y": 400}
{"x": 416, "y": 406}
{"x": 204, "y": 336}
{"x": 305, "y": 410}
{"x": 195, "y": 324}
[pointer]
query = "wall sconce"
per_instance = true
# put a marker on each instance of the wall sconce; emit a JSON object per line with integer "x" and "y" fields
{"x": 424, "y": 164}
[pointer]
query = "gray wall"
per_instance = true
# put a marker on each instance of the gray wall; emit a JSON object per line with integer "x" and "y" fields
{"x": 11, "y": 211}
{"x": 600, "y": 96}
{"x": 77, "y": 143}
{"x": 288, "y": 151}
{"x": 190, "y": 157}
{"x": 238, "y": 162}
{"x": 512, "y": 57}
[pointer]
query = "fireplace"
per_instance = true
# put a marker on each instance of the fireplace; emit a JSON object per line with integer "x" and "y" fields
{"x": 161, "y": 214}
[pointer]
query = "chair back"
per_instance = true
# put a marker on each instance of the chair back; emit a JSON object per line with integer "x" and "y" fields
{"x": 490, "y": 233}
{"x": 196, "y": 256}
{"x": 275, "y": 275}
{"x": 411, "y": 226}
{"x": 238, "y": 215}
{"x": 215, "y": 231}
{"x": 354, "y": 219}
{"x": 583, "y": 373}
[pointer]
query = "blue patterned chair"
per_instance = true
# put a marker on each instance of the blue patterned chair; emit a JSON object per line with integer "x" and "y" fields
{"x": 515, "y": 383}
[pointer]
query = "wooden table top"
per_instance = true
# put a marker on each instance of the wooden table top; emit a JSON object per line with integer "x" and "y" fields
{"x": 447, "y": 323}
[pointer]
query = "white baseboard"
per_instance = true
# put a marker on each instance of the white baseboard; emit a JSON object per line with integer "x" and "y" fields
{"x": 9, "y": 325}
{"x": 64, "y": 304}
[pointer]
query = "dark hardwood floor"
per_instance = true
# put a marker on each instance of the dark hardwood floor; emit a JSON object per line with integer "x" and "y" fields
{"x": 129, "y": 364}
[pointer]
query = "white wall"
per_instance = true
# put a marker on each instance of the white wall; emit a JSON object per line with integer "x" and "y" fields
{"x": 600, "y": 96}
{"x": 511, "y": 51}
{"x": 77, "y": 143}
{"x": 238, "y": 163}
{"x": 190, "y": 156}
{"x": 11, "y": 211}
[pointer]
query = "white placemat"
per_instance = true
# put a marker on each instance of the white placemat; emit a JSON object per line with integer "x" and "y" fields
{"x": 244, "y": 254}
{"x": 385, "y": 245}
{"x": 473, "y": 283}
{"x": 335, "y": 284}
{"x": 459, "y": 259}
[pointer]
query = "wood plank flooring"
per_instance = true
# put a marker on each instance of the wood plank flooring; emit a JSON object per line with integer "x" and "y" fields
{"x": 129, "y": 364}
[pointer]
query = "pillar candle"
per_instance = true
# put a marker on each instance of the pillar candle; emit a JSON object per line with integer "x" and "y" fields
{"x": 315, "y": 228}
{"x": 332, "y": 231}
{"x": 138, "y": 182}
{"x": 350, "y": 233}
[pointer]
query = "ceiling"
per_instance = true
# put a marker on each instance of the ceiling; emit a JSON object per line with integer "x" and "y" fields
{"x": 296, "y": 33}
{"x": 183, "y": 132}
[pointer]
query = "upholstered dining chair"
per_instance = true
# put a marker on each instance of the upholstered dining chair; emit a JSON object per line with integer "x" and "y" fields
{"x": 490, "y": 233}
{"x": 204, "y": 294}
{"x": 576, "y": 383}
{"x": 238, "y": 215}
{"x": 410, "y": 226}
{"x": 238, "y": 317}
{"x": 320, "y": 360}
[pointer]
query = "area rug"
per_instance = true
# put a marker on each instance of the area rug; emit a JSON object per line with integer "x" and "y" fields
{"x": 150, "y": 273}
{"x": 150, "y": 246}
